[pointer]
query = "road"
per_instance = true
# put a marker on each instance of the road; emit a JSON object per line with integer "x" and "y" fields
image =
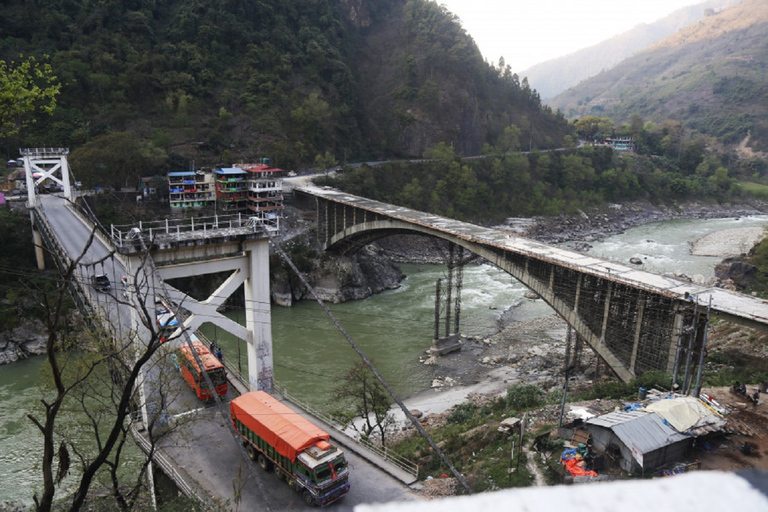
{"x": 201, "y": 444}
{"x": 206, "y": 451}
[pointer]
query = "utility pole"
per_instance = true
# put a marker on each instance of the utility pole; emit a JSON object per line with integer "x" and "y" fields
{"x": 437, "y": 309}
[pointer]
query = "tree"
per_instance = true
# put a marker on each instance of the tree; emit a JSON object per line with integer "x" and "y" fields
{"x": 440, "y": 151}
{"x": 117, "y": 159}
{"x": 592, "y": 127}
{"x": 86, "y": 414}
{"x": 362, "y": 403}
{"x": 325, "y": 161}
{"x": 510, "y": 139}
{"x": 26, "y": 88}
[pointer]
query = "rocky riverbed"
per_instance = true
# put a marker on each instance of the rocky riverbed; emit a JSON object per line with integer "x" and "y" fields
{"x": 532, "y": 352}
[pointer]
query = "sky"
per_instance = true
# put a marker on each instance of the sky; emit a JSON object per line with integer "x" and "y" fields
{"x": 531, "y": 31}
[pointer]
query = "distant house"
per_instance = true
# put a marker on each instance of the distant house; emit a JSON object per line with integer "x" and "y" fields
{"x": 190, "y": 189}
{"x": 636, "y": 440}
{"x": 621, "y": 143}
{"x": 145, "y": 186}
{"x": 231, "y": 190}
{"x": 15, "y": 181}
{"x": 265, "y": 193}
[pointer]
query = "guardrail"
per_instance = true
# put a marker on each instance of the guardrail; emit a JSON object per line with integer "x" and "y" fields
{"x": 179, "y": 229}
{"x": 63, "y": 261}
{"x": 401, "y": 462}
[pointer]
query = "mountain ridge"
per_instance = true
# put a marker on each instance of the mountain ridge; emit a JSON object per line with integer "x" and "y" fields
{"x": 555, "y": 76}
{"x": 710, "y": 77}
{"x": 291, "y": 80}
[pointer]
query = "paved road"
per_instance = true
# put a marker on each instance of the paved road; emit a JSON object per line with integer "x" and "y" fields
{"x": 202, "y": 444}
{"x": 205, "y": 449}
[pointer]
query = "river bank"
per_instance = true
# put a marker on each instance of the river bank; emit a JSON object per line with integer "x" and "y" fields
{"x": 597, "y": 224}
{"x": 532, "y": 351}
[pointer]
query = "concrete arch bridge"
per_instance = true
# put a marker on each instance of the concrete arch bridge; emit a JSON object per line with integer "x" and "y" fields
{"x": 636, "y": 321}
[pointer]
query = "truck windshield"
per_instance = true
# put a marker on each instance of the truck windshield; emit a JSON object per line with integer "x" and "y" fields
{"x": 325, "y": 471}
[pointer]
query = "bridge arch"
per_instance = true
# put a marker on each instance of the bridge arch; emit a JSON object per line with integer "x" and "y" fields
{"x": 635, "y": 320}
{"x": 593, "y": 307}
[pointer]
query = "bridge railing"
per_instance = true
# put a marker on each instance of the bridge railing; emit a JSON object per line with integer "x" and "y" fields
{"x": 63, "y": 261}
{"x": 182, "y": 229}
{"x": 169, "y": 468}
{"x": 233, "y": 370}
{"x": 401, "y": 462}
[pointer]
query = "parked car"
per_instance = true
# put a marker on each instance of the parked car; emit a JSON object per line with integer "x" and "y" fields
{"x": 101, "y": 283}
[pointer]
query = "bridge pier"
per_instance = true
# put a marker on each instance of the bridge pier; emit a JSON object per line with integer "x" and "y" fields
{"x": 37, "y": 240}
{"x": 239, "y": 251}
{"x": 45, "y": 167}
{"x": 258, "y": 318}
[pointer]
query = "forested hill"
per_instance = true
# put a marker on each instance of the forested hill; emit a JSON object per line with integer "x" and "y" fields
{"x": 710, "y": 77}
{"x": 230, "y": 80}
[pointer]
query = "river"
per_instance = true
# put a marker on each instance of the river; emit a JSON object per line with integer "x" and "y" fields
{"x": 394, "y": 328}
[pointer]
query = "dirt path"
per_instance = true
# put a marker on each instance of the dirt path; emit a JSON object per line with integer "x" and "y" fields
{"x": 533, "y": 467}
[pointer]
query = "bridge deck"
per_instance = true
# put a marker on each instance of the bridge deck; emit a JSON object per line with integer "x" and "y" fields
{"x": 735, "y": 306}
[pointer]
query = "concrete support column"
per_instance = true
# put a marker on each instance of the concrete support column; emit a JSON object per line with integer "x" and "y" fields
{"x": 606, "y": 312}
{"x": 258, "y": 319}
{"x": 37, "y": 240}
{"x": 638, "y": 332}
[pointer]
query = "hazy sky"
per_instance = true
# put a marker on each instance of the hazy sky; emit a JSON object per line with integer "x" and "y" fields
{"x": 532, "y": 31}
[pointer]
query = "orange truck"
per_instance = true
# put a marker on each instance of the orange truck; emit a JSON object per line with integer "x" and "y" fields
{"x": 300, "y": 453}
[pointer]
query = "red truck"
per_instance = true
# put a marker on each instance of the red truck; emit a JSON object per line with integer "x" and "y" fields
{"x": 301, "y": 453}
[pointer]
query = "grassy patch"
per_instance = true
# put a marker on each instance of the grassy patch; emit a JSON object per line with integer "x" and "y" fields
{"x": 473, "y": 444}
{"x": 754, "y": 189}
{"x": 627, "y": 390}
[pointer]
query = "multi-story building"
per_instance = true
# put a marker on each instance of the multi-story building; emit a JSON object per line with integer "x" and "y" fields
{"x": 231, "y": 190}
{"x": 265, "y": 193}
{"x": 190, "y": 189}
{"x": 621, "y": 143}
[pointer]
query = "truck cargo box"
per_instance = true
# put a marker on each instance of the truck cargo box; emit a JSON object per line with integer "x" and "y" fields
{"x": 287, "y": 431}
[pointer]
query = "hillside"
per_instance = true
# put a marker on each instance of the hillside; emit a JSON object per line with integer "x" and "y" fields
{"x": 554, "y": 76}
{"x": 220, "y": 82}
{"x": 711, "y": 77}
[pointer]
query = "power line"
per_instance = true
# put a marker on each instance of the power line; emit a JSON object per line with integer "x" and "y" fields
{"x": 369, "y": 364}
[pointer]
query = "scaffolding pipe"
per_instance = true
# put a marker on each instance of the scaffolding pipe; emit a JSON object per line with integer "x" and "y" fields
{"x": 689, "y": 352}
{"x": 437, "y": 309}
{"x": 450, "y": 291}
{"x": 702, "y": 352}
{"x": 459, "y": 279}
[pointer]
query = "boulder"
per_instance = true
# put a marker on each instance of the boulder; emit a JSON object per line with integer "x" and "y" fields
{"x": 736, "y": 273}
{"x": 28, "y": 339}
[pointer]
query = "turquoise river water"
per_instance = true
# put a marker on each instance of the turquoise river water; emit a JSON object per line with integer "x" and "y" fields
{"x": 394, "y": 328}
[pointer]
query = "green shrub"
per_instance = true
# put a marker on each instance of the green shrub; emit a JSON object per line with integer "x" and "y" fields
{"x": 462, "y": 413}
{"x": 522, "y": 397}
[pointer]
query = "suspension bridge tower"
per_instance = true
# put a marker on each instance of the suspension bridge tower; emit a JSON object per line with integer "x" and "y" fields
{"x": 45, "y": 170}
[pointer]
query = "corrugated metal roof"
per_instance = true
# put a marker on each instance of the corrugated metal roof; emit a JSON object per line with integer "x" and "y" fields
{"x": 182, "y": 173}
{"x": 230, "y": 170}
{"x": 639, "y": 430}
